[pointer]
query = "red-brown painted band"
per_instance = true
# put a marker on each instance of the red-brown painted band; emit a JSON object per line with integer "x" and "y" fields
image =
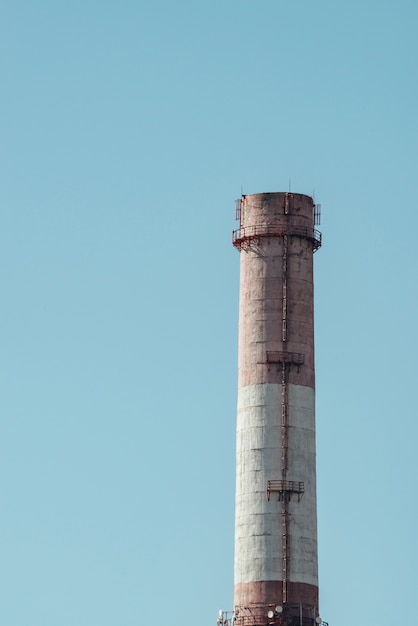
{"x": 262, "y": 285}
{"x": 256, "y": 598}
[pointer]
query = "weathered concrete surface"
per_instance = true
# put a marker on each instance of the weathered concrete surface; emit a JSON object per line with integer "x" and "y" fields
{"x": 258, "y": 531}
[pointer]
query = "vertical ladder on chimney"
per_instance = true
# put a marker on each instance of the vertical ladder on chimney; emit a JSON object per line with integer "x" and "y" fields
{"x": 284, "y": 411}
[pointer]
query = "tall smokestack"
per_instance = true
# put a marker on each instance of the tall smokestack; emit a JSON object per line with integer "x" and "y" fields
{"x": 276, "y": 563}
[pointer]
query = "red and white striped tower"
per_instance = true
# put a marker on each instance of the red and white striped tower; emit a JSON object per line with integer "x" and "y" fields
{"x": 276, "y": 565}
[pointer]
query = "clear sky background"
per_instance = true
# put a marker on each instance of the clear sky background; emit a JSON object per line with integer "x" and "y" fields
{"x": 127, "y": 131}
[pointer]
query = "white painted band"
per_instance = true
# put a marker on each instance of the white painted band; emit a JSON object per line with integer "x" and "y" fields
{"x": 258, "y": 524}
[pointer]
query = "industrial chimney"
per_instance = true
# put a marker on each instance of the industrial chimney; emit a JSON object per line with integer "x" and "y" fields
{"x": 276, "y": 564}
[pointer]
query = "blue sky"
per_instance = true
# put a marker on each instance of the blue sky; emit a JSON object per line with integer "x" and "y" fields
{"x": 127, "y": 131}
